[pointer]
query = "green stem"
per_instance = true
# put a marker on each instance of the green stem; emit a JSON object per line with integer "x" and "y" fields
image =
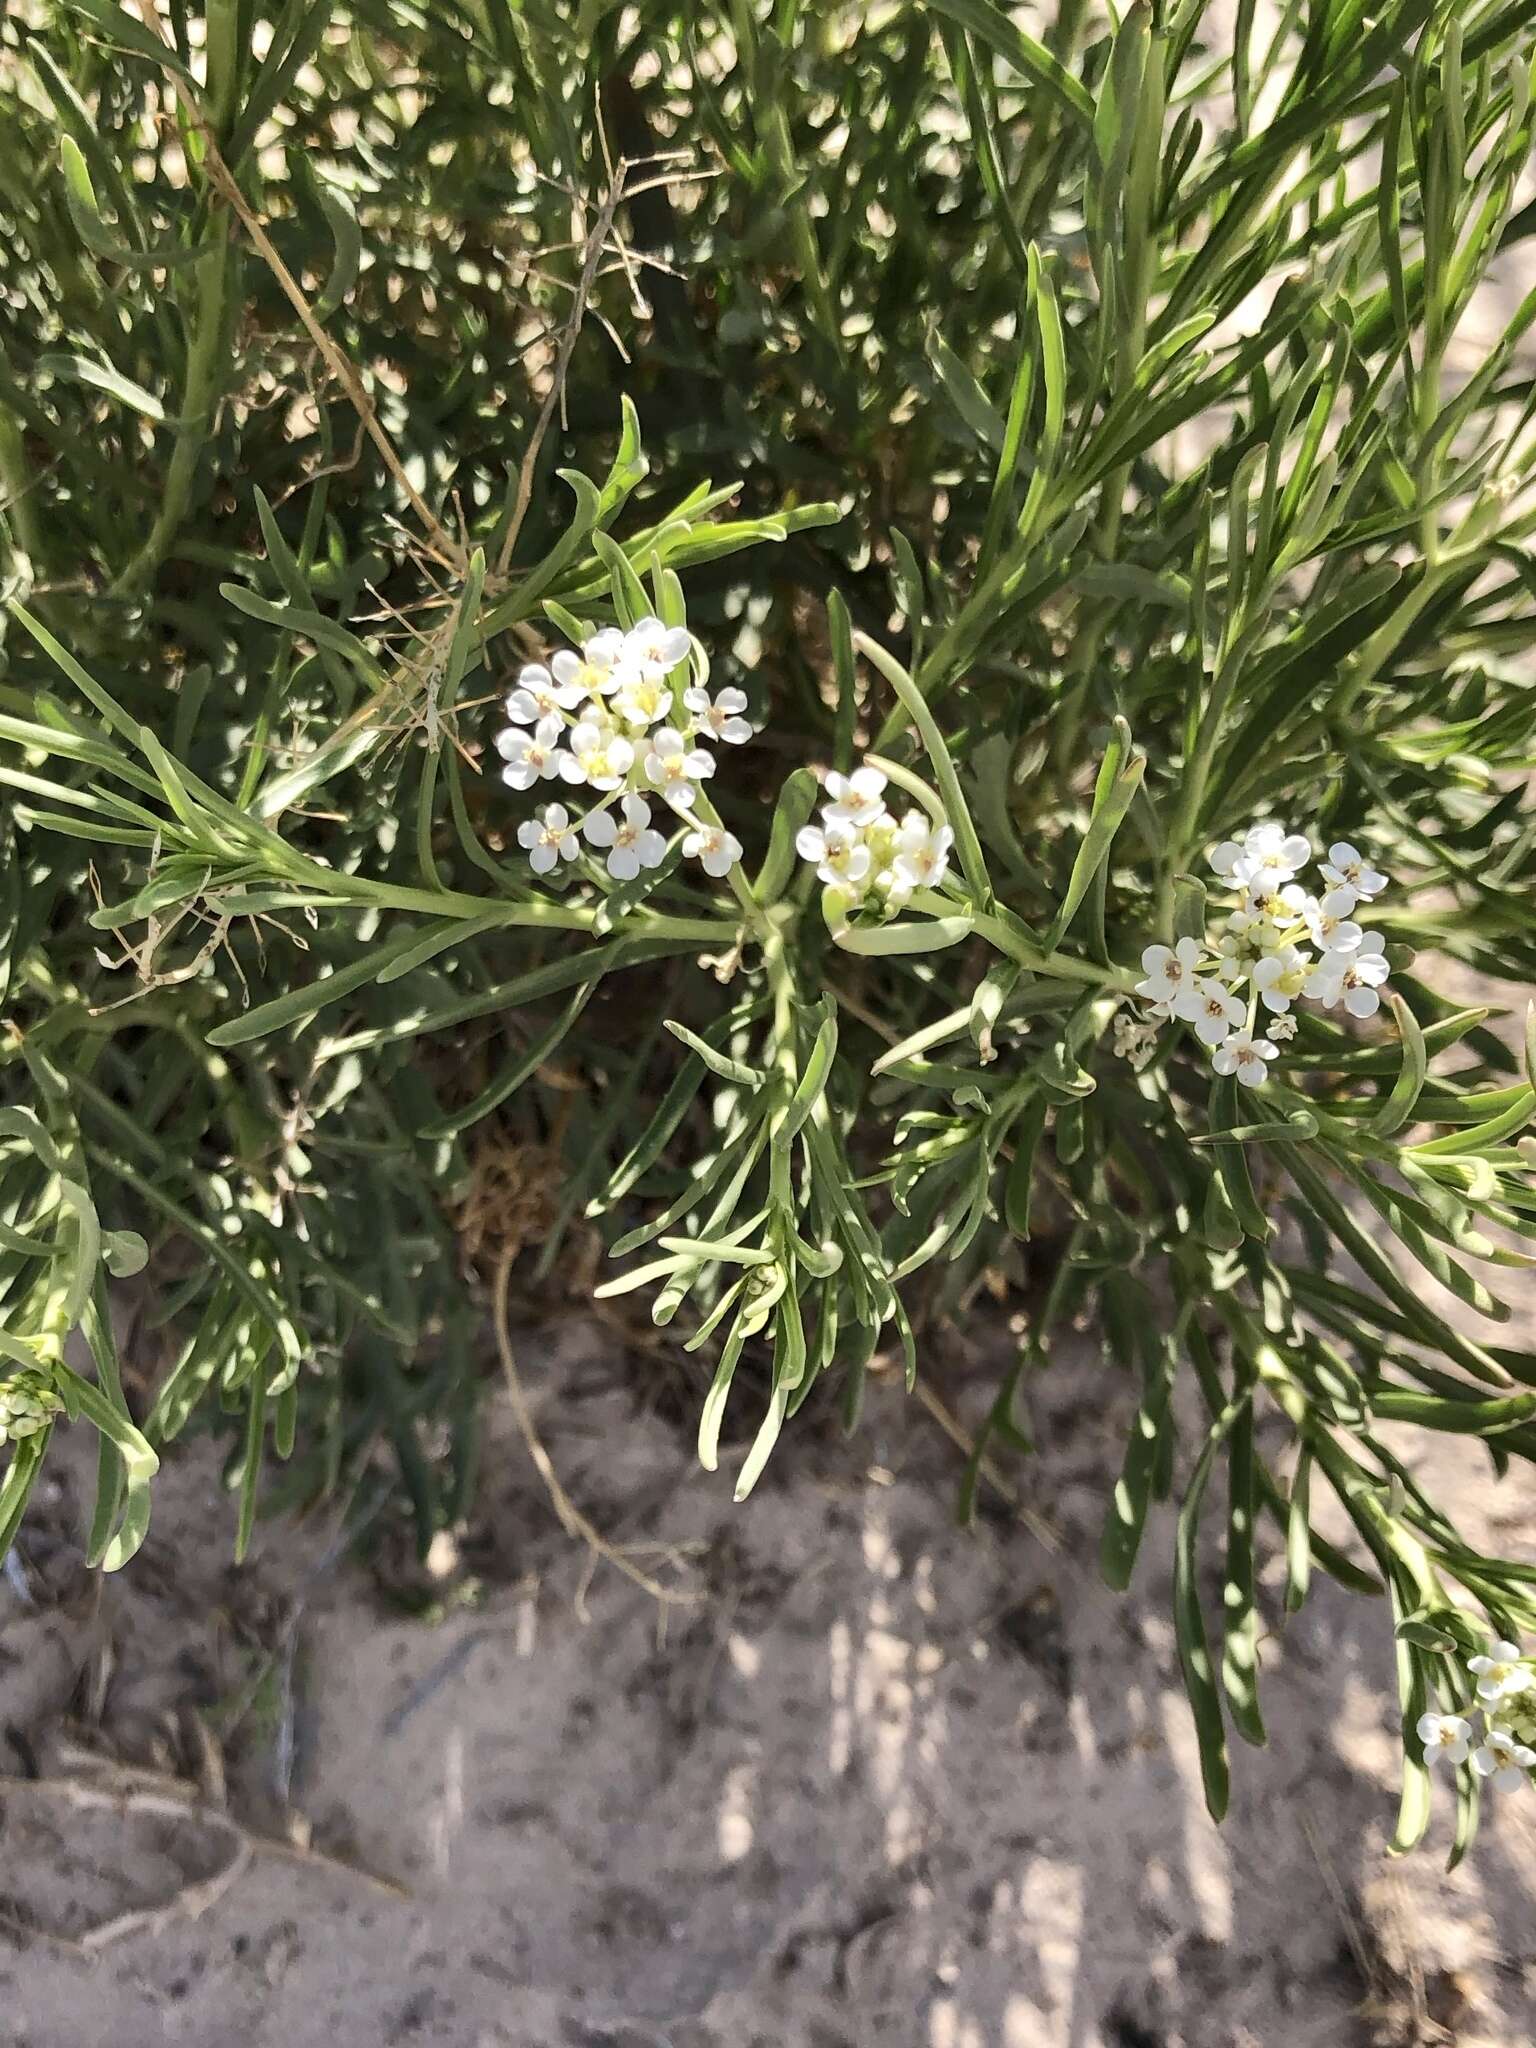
{"x": 1056, "y": 966}
{"x": 20, "y": 507}
{"x": 198, "y": 399}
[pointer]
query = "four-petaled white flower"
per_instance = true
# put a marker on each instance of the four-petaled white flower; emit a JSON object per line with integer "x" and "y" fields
{"x": 599, "y": 756}
{"x": 655, "y": 649}
{"x": 1281, "y": 1027}
{"x": 1499, "y": 1671}
{"x": 541, "y": 695}
{"x": 1447, "y": 1738}
{"x": 642, "y": 700}
{"x": 1332, "y": 931}
{"x": 549, "y": 837}
{"x": 716, "y": 850}
{"x": 922, "y": 852}
{"x": 841, "y": 858}
{"x": 857, "y": 799}
{"x": 1280, "y": 977}
{"x": 1170, "y": 971}
{"x": 595, "y": 670}
{"x": 1244, "y": 1055}
{"x": 721, "y": 717}
{"x": 1211, "y": 1008}
{"x": 1347, "y": 868}
{"x": 676, "y": 769}
{"x": 533, "y": 756}
{"x": 630, "y": 839}
{"x": 1502, "y": 1759}
{"x": 1277, "y": 902}
{"x": 1353, "y": 977}
{"x": 1265, "y": 857}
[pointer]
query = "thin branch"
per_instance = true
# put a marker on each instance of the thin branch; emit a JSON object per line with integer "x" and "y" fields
{"x": 335, "y": 361}
{"x": 572, "y": 1520}
{"x": 596, "y": 243}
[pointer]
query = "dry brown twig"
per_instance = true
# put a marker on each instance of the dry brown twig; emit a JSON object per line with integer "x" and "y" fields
{"x": 592, "y": 255}
{"x": 438, "y": 539}
{"x": 1042, "y": 1531}
{"x": 143, "y": 1792}
{"x": 572, "y": 1520}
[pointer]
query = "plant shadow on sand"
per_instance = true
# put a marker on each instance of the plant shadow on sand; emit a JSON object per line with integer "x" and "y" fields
{"x": 883, "y": 1781}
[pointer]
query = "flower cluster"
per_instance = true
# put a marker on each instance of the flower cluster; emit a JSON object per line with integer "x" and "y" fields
{"x": 1280, "y": 943}
{"x": 619, "y": 720}
{"x": 1504, "y": 1699}
{"x": 27, "y": 1404}
{"x": 864, "y": 853}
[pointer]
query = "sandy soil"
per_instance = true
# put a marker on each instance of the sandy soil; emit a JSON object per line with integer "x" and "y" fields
{"x": 883, "y": 1782}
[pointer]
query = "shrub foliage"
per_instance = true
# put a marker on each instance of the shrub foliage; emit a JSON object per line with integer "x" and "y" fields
{"x": 1099, "y": 426}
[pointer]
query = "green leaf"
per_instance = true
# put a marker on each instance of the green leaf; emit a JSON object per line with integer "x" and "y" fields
{"x": 1189, "y": 1624}
{"x": 956, "y": 810}
{"x": 1399, "y": 1105}
{"x": 1240, "y": 1657}
{"x": 1019, "y": 1190}
{"x": 347, "y": 239}
{"x": 1119, "y": 779}
{"x": 102, "y": 377}
{"x": 796, "y": 801}
{"x": 1028, "y": 57}
{"x": 718, "y": 1062}
{"x": 300, "y": 1004}
{"x": 906, "y": 935}
{"x": 1298, "y": 1535}
{"x": 1150, "y": 1429}
{"x": 139, "y": 1462}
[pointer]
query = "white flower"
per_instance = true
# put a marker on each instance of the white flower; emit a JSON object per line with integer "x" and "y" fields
{"x": 1281, "y": 1027}
{"x": 595, "y": 670}
{"x": 1325, "y": 984}
{"x": 599, "y": 755}
{"x": 894, "y": 888}
{"x": 675, "y": 767}
{"x": 922, "y": 853}
{"x": 1332, "y": 929}
{"x": 1226, "y": 857}
{"x": 541, "y": 695}
{"x": 1446, "y": 1738}
{"x": 1212, "y": 1009}
{"x": 722, "y": 718}
{"x": 1347, "y": 868}
{"x": 714, "y": 848}
{"x": 841, "y": 858}
{"x": 1133, "y": 1040}
{"x": 1354, "y": 977}
{"x": 549, "y": 836}
{"x": 1275, "y": 901}
{"x": 641, "y": 700}
{"x": 1499, "y": 1672}
{"x": 530, "y": 756}
{"x": 631, "y": 842}
{"x": 1170, "y": 970}
{"x": 1265, "y": 857}
{"x": 857, "y": 799}
{"x": 1280, "y": 977}
{"x": 1503, "y": 1759}
{"x": 655, "y": 649}
{"x": 1244, "y": 1055}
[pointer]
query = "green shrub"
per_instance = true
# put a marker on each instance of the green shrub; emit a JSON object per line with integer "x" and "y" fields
{"x": 1107, "y": 468}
